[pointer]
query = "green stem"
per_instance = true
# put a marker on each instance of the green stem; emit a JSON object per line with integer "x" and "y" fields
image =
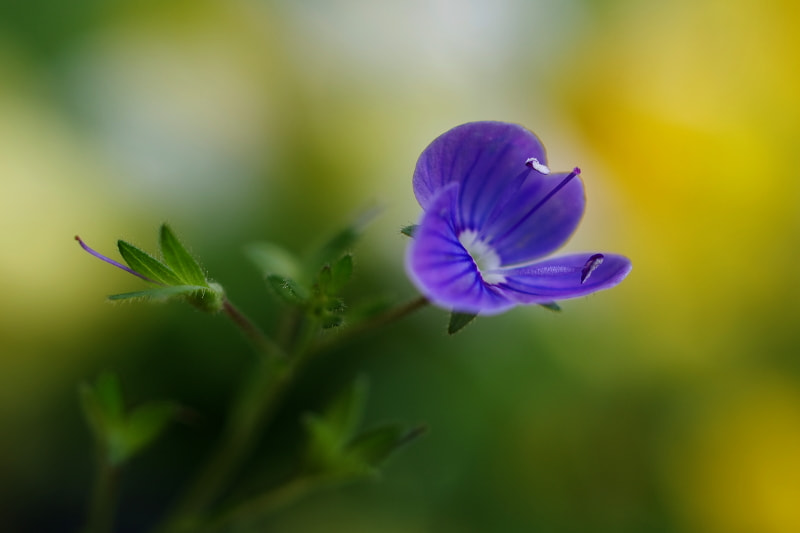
{"x": 387, "y": 317}
{"x": 262, "y": 344}
{"x": 104, "y": 497}
{"x": 255, "y": 407}
{"x": 263, "y": 504}
{"x": 247, "y": 416}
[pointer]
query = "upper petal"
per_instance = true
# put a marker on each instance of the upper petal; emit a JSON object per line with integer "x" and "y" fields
{"x": 484, "y": 158}
{"x": 528, "y": 225}
{"x": 560, "y": 278}
{"x": 440, "y": 267}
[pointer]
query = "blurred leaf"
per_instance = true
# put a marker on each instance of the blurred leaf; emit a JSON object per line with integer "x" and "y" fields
{"x": 119, "y": 435}
{"x": 341, "y": 271}
{"x": 324, "y": 279}
{"x": 145, "y": 423}
{"x": 344, "y": 413}
{"x": 552, "y": 306}
{"x": 331, "y": 431}
{"x": 371, "y": 448}
{"x": 458, "y": 321}
{"x": 92, "y": 410}
{"x": 332, "y": 321}
{"x": 335, "y": 247}
{"x": 340, "y": 243}
{"x": 179, "y": 259}
{"x": 160, "y": 293}
{"x": 272, "y": 259}
{"x": 108, "y": 392}
{"x": 147, "y": 265}
{"x": 287, "y": 289}
{"x": 324, "y": 448}
{"x": 409, "y": 230}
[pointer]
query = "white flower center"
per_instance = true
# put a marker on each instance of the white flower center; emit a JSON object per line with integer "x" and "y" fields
{"x": 484, "y": 256}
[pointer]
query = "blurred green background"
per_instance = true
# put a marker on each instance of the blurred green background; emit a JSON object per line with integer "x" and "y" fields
{"x": 669, "y": 404}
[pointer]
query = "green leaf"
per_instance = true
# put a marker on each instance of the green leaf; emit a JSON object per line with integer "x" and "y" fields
{"x": 409, "y": 230}
{"x": 273, "y": 260}
{"x": 287, "y": 289}
{"x": 552, "y": 306}
{"x": 458, "y": 321}
{"x": 147, "y": 265}
{"x": 179, "y": 259}
{"x": 340, "y": 243}
{"x": 145, "y": 423}
{"x": 344, "y": 413}
{"x": 341, "y": 272}
{"x": 160, "y": 293}
{"x": 108, "y": 392}
{"x": 324, "y": 279}
{"x": 373, "y": 447}
{"x": 324, "y": 448}
{"x": 92, "y": 410}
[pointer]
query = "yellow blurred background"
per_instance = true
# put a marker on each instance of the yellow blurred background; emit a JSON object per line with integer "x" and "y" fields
{"x": 670, "y": 403}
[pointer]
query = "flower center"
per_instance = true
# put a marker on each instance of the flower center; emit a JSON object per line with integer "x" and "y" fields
{"x": 483, "y": 255}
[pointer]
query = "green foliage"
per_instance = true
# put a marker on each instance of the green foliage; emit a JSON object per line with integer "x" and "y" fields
{"x": 458, "y": 321}
{"x": 180, "y": 274}
{"x": 313, "y": 286}
{"x": 287, "y": 289}
{"x": 336, "y": 448}
{"x": 121, "y": 435}
{"x": 180, "y": 260}
{"x": 147, "y": 265}
{"x": 271, "y": 259}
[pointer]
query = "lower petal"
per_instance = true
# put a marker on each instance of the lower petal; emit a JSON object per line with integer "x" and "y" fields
{"x": 569, "y": 276}
{"x": 441, "y": 268}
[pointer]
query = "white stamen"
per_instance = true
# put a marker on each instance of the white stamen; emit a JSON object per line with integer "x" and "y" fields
{"x": 534, "y": 163}
{"x": 484, "y": 256}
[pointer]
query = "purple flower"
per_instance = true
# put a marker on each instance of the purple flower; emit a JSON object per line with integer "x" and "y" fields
{"x": 492, "y": 211}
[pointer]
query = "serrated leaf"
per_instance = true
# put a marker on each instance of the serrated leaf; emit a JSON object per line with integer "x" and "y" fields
{"x": 409, "y": 230}
{"x": 144, "y": 424}
{"x": 552, "y": 306}
{"x": 178, "y": 258}
{"x": 458, "y": 321}
{"x": 160, "y": 293}
{"x": 271, "y": 259}
{"x": 147, "y": 265}
{"x": 287, "y": 289}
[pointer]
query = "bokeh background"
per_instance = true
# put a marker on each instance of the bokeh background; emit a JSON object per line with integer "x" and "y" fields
{"x": 669, "y": 404}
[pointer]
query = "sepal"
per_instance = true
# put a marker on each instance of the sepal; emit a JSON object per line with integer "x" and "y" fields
{"x": 146, "y": 264}
{"x": 178, "y": 258}
{"x": 409, "y": 230}
{"x": 458, "y": 321}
